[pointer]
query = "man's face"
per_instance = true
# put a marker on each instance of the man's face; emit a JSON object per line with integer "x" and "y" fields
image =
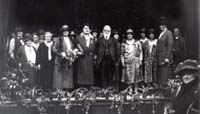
{"x": 19, "y": 34}
{"x": 176, "y": 32}
{"x": 107, "y": 30}
{"x": 188, "y": 77}
{"x": 65, "y": 33}
{"x": 86, "y": 30}
{"x": 162, "y": 27}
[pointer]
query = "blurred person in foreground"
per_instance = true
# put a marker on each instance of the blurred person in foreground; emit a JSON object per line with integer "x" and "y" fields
{"x": 187, "y": 95}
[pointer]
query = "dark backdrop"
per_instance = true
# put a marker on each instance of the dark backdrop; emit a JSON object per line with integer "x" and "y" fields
{"x": 51, "y": 14}
{"x": 118, "y": 13}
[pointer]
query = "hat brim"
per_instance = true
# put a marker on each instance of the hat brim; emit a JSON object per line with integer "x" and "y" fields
{"x": 184, "y": 70}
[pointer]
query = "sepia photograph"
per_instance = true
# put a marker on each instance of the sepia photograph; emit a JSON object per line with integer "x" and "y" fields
{"x": 99, "y": 57}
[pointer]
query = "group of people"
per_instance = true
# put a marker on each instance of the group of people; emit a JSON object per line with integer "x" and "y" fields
{"x": 87, "y": 59}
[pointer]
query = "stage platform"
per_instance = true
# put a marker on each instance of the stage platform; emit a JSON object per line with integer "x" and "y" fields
{"x": 103, "y": 107}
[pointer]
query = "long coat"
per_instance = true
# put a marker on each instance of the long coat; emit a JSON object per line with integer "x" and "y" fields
{"x": 45, "y": 74}
{"x": 28, "y": 70}
{"x": 85, "y": 71}
{"x": 165, "y": 51}
{"x": 63, "y": 70}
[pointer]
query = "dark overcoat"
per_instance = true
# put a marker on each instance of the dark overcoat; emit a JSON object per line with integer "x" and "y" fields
{"x": 165, "y": 51}
{"x": 85, "y": 69}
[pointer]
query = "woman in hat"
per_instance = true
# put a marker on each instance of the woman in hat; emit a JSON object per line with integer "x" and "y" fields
{"x": 64, "y": 61}
{"x": 36, "y": 41}
{"x": 188, "y": 92}
{"x": 26, "y": 58}
{"x": 45, "y": 62}
{"x": 86, "y": 45}
{"x": 131, "y": 58}
{"x": 150, "y": 71}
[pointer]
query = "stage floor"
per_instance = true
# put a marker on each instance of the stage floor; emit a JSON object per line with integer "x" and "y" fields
{"x": 150, "y": 107}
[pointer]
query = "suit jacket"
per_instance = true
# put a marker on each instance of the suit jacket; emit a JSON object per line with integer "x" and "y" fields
{"x": 112, "y": 48}
{"x": 165, "y": 47}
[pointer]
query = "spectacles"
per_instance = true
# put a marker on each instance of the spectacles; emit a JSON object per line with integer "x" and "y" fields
{"x": 107, "y": 30}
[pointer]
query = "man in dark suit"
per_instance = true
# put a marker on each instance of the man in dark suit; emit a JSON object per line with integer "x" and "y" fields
{"x": 178, "y": 47}
{"x": 107, "y": 57}
{"x": 165, "y": 54}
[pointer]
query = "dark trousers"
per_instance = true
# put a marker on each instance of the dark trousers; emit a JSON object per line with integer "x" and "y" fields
{"x": 164, "y": 73}
{"x": 106, "y": 71}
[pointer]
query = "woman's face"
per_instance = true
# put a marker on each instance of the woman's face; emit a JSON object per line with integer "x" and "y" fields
{"x": 35, "y": 38}
{"x": 28, "y": 43}
{"x": 48, "y": 37}
{"x": 129, "y": 36}
{"x": 86, "y": 29}
{"x": 151, "y": 36}
{"x": 116, "y": 36}
{"x": 142, "y": 35}
{"x": 188, "y": 77}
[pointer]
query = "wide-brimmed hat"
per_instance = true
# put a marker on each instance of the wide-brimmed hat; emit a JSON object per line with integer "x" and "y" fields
{"x": 187, "y": 66}
{"x": 64, "y": 28}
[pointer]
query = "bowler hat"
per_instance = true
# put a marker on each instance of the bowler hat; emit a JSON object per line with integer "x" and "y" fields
{"x": 187, "y": 65}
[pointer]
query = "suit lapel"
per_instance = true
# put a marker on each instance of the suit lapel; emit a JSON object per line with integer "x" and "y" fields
{"x": 109, "y": 41}
{"x": 104, "y": 41}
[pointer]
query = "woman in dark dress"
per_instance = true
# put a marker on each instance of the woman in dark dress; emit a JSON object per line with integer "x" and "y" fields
{"x": 45, "y": 59}
{"x": 188, "y": 92}
{"x": 64, "y": 61}
{"x": 86, "y": 45}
